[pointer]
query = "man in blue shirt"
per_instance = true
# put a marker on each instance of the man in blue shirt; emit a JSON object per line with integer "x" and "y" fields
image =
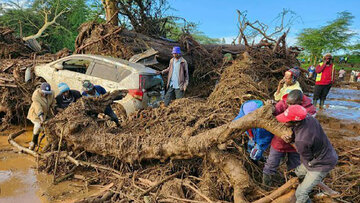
{"x": 259, "y": 138}
{"x": 90, "y": 90}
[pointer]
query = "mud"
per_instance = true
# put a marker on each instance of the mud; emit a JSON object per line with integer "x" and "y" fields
{"x": 20, "y": 180}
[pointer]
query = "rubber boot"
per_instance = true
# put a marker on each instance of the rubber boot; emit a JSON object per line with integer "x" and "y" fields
{"x": 315, "y": 102}
{"x": 267, "y": 180}
{"x": 34, "y": 142}
{"x": 322, "y": 103}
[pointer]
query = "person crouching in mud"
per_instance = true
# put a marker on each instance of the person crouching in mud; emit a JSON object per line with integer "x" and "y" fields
{"x": 43, "y": 102}
{"x": 91, "y": 90}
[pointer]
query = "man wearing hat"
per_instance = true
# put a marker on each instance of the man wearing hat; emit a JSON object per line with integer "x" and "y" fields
{"x": 91, "y": 90}
{"x": 66, "y": 96}
{"x": 317, "y": 155}
{"x": 288, "y": 83}
{"x": 279, "y": 148}
{"x": 178, "y": 77}
{"x": 43, "y": 102}
{"x": 325, "y": 77}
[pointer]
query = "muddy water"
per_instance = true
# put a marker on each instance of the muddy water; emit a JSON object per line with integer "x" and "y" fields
{"x": 343, "y": 104}
{"x": 20, "y": 180}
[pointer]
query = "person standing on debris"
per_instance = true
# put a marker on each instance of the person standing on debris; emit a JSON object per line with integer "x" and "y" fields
{"x": 66, "y": 97}
{"x": 178, "y": 76}
{"x": 90, "y": 90}
{"x": 259, "y": 138}
{"x": 43, "y": 102}
{"x": 324, "y": 79}
{"x": 317, "y": 155}
{"x": 279, "y": 148}
{"x": 342, "y": 73}
{"x": 288, "y": 83}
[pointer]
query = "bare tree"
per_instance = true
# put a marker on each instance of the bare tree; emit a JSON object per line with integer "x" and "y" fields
{"x": 283, "y": 21}
{"x": 46, "y": 12}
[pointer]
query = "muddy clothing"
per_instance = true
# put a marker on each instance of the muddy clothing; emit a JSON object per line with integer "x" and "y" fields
{"x": 314, "y": 147}
{"x": 321, "y": 91}
{"x": 40, "y": 106}
{"x": 279, "y": 144}
{"x": 183, "y": 79}
{"x": 172, "y": 94}
{"x": 98, "y": 91}
{"x": 310, "y": 180}
{"x": 286, "y": 90}
{"x": 325, "y": 75}
{"x": 108, "y": 110}
{"x": 273, "y": 161}
{"x": 259, "y": 138}
{"x": 62, "y": 102}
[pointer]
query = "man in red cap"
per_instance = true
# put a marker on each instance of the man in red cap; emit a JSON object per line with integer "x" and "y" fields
{"x": 317, "y": 155}
{"x": 279, "y": 148}
{"x": 178, "y": 76}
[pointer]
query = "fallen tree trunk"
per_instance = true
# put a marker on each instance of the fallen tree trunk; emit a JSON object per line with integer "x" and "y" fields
{"x": 126, "y": 43}
{"x": 234, "y": 169}
{"x": 132, "y": 148}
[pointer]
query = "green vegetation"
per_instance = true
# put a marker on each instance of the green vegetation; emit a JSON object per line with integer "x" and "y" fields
{"x": 28, "y": 18}
{"x": 334, "y": 36}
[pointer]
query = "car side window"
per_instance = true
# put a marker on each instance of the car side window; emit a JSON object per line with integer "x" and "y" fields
{"x": 76, "y": 65}
{"x": 122, "y": 73}
{"x": 104, "y": 71}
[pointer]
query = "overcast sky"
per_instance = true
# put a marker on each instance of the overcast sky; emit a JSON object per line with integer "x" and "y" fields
{"x": 218, "y": 18}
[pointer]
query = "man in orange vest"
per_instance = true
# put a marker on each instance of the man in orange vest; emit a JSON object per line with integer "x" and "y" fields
{"x": 325, "y": 77}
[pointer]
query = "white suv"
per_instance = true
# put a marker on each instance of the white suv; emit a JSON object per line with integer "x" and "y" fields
{"x": 146, "y": 88}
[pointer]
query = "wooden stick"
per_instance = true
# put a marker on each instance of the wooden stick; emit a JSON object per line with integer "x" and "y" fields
{"x": 180, "y": 199}
{"x": 11, "y": 140}
{"x": 8, "y": 85}
{"x": 159, "y": 183}
{"x": 9, "y": 66}
{"x": 278, "y": 192}
{"x": 58, "y": 154}
{"x": 197, "y": 191}
{"x": 69, "y": 174}
{"x": 346, "y": 152}
{"x": 7, "y": 79}
{"x": 62, "y": 154}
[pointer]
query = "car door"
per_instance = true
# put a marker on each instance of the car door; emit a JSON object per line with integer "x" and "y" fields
{"x": 73, "y": 72}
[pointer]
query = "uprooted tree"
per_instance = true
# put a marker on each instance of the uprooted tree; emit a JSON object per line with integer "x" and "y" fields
{"x": 188, "y": 151}
{"x": 176, "y": 150}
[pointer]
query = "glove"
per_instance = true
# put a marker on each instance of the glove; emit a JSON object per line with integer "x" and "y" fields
{"x": 250, "y": 145}
{"x": 256, "y": 153}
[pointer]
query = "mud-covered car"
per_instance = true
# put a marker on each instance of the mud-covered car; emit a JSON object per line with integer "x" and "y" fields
{"x": 145, "y": 87}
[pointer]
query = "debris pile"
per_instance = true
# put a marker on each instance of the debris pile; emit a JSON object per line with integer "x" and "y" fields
{"x": 173, "y": 153}
{"x": 15, "y": 91}
{"x": 11, "y": 46}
